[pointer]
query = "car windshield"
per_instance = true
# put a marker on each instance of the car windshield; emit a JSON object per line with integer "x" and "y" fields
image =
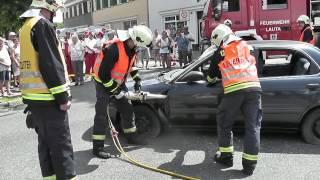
{"x": 173, "y": 74}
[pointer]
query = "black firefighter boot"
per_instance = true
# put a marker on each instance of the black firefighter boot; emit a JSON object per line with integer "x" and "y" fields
{"x": 224, "y": 158}
{"x": 248, "y": 166}
{"x": 98, "y": 150}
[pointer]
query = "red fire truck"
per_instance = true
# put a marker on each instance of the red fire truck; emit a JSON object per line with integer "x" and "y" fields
{"x": 271, "y": 19}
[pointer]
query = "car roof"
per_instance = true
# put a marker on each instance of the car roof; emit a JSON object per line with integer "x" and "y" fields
{"x": 280, "y": 44}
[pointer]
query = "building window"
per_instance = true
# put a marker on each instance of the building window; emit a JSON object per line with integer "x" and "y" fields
{"x": 98, "y": 5}
{"x": 123, "y": 1}
{"x": 113, "y": 2}
{"x": 75, "y": 10}
{"x": 231, "y": 5}
{"x": 71, "y": 12}
{"x": 274, "y": 4}
{"x": 129, "y": 24}
{"x": 80, "y": 9}
{"x": 105, "y": 3}
{"x": 173, "y": 23}
{"x": 85, "y": 7}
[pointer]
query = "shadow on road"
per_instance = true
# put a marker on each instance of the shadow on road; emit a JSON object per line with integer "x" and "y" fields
{"x": 183, "y": 143}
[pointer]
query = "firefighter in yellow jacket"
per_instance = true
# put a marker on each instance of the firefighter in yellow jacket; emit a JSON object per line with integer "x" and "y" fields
{"x": 45, "y": 90}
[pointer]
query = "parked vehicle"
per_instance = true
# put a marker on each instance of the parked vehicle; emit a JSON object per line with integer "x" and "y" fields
{"x": 271, "y": 19}
{"x": 290, "y": 80}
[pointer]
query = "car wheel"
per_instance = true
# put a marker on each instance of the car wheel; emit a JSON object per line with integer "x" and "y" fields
{"x": 311, "y": 128}
{"x": 147, "y": 122}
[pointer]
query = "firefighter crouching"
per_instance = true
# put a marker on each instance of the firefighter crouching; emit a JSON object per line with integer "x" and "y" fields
{"x": 111, "y": 69}
{"x": 306, "y": 30}
{"x": 233, "y": 63}
{"x": 45, "y": 89}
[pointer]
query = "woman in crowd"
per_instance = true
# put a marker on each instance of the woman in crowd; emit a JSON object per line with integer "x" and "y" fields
{"x": 77, "y": 58}
{"x": 16, "y": 62}
{"x": 5, "y": 68}
{"x": 156, "y": 48}
{"x": 164, "y": 43}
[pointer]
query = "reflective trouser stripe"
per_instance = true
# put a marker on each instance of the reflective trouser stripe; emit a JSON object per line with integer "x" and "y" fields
{"x": 98, "y": 137}
{"x": 226, "y": 149}
{"x": 241, "y": 86}
{"x": 59, "y": 89}
{"x": 97, "y": 78}
{"x": 53, "y": 177}
{"x": 250, "y": 157}
{"x": 44, "y": 97}
{"x": 130, "y": 130}
{"x": 137, "y": 75}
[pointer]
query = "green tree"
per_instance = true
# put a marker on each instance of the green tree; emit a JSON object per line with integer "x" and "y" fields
{"x": 10, "y": 10}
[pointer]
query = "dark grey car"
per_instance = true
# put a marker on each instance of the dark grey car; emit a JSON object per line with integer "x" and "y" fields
{"x": 290, "y": 79}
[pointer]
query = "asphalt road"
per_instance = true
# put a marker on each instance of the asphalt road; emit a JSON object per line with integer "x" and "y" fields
{"x": 283, "y": 156}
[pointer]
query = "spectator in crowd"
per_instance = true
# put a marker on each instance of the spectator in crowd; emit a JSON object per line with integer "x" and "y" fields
{"x": 144, "y": 55}
{"x": 156, "y": 48}
{"x": 182, "y": 44}
{"x": 90, "y": 55}
{"x": 67, "y": 42}
{"x": 11, "y": 37}
{"x": 190, "y": 38}
{"x": 77, "y": 58}
{"x": 99, "y": 42}
{"x": 164, "y": 43}
{"x": 5, "y": 68}
{"x": 15, "y": 56}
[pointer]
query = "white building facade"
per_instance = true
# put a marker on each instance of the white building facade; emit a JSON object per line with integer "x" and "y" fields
{"x": 168, "y": 14}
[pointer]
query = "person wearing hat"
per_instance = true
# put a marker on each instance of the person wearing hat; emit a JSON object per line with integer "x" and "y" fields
{"x": 45, "y": 89}
{"x": 111, "y": 69}
{"x": 306, "y": 30}
{"x": 233, "y": 63}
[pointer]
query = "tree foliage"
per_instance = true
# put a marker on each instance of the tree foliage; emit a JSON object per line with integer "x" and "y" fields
{"x": 10, "y": 10}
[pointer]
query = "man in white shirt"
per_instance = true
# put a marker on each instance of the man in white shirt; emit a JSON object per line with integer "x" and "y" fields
{"x": 90, "y": 53}
{"x": 190, "y": 37}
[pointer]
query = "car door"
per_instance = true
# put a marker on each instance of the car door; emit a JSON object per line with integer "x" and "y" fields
{"x": 286, "y": 97}
{"x": 194, "y": 103}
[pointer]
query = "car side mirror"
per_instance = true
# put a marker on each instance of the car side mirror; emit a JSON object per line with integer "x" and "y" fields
{"x": 192, "y": 77}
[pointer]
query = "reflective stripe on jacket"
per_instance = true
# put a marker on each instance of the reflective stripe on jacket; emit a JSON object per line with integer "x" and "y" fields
{"x": 238, "y": 68}
{"x": 32, "y": 84}
{"x": 120, "y": 70}
{"x": 302, "y": 36}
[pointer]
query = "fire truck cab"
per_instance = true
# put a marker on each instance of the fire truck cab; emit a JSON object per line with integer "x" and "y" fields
{"x": 271, "y": 19}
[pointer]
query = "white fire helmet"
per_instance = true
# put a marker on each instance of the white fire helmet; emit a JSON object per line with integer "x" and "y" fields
{"x": 50, "y": 5}
{"x": 220, "y": 34}
{"x": 304, "y": 18}
{"x": 141, "y": 35}
{"x": 227, "y": 22}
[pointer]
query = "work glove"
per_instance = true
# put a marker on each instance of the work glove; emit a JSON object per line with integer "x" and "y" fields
{"x": 120, "y": 95}
{"x": 137, "y": 86}
{"x": 29, "y": 120}
{"x": 211, "y": 81}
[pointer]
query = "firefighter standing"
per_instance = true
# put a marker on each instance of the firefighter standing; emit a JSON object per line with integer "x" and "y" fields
{"x": 306, "y": 30}
{"x": 232, "y": 61}
{"x": 45, "y": 89}
{"x": 111, "y": 69}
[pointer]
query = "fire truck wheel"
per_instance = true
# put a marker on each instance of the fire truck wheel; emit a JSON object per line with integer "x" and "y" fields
{"x": 147, "y": 122}
{"x": 311, "y": 127}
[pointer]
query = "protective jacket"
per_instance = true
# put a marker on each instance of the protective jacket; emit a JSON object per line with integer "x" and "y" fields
{"x": 113, "y": 65}
{"x": 237, "y": 67}
{"x": 44, "y": 79}
{"x": 307, "y": 35}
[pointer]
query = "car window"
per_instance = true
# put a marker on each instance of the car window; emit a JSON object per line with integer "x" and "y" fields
{"x": 283, "y": 63}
